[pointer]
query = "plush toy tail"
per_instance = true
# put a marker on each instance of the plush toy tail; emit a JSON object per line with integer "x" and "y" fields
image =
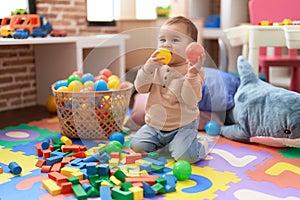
{"x": 246, "y": 72}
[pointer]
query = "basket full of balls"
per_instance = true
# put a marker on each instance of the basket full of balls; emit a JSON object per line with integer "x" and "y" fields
{"x": 91, "y": 107}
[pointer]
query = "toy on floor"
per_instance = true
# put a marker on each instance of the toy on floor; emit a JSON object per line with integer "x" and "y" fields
{"x": 50, "y": 104}
{"x": 15, "y": 168}
{"x": 73, "y": 168}
{"x": 212, "y": 128}
{"x": 263, "y": 113}
{"x": 182, "y": 170}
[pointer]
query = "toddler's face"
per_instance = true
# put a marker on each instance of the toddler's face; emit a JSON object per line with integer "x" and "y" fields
{"x": 175, "y": 38}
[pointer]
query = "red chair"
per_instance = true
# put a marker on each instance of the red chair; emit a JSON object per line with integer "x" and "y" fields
{"x": 277, "y": 11}
{"x": 292, "y": 60}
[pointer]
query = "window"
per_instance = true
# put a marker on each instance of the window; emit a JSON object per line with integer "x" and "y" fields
{"x": 105, "y": 12}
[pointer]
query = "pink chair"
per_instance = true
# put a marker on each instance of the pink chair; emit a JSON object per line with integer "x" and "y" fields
{"x": 277, "y": 11}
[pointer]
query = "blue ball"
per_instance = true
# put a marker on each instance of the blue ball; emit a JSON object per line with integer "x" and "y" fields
{"x": 117, "y": 136}
{"x": 100, "y": 85}
{"x": 87, "y": 77}
{"x": 60, "y": 83}
{"x": 212, "y": 128}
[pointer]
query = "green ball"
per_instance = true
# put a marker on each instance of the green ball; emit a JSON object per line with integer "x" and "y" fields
{"x": 73, "y": 77}
{"x": 182, "y": 170}
{"x": 113, "y": 146}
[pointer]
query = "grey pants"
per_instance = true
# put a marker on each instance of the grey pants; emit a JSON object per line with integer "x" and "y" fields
{"x": 182, "y": 142}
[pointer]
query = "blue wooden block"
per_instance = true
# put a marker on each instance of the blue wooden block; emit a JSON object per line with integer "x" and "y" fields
{"x": 91, "y": 168}
{"x": 146, "y": 167}
{"x": 57, "y": 153}
{"x": 45, "y": 143}
{"x": 171, "y": 179}
{"x": 92, "y": 158}
{"x": 103, "y": 169}
{"x": 169, "y": 188}
{"x": 155, "y": 162}
{"x": 162, "y": 159}
{"x": 76, "y": 161}
{"x": 104, "y": 158}
{"x": 15, "y": 168}
{"x": 86, "y": 186}
{"x": 53, "y": 159}
{"x": 105, "y": 193}
{"x": 148, "y": 190}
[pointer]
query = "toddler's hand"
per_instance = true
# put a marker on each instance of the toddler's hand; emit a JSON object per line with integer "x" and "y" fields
{"x": 153, "y": 62}
{"x": 194, "y": 69}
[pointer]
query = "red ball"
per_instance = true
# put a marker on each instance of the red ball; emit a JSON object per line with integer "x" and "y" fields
{"x": 194, "y": 51}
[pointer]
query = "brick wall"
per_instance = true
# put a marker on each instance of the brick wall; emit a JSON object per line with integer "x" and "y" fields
{"x": 17, "y": 66}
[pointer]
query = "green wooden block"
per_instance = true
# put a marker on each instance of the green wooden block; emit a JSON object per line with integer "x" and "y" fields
{"x": 120, "y": 175}
{"x": 125, "y": 186}
{"x": 117, "y": 193}
{"x": 73, "y": 180}
{"x": 69, "y": 153}
{"x": 56, "y": 147}
{"x": 57, "y": 141}
{"x": 161, "y": 181}
{"x": 153, "y": 155}
{"x": 93, "y": 178}
{"x": 158, "y": 188}
{"x": 157, "y": 168}
{"x": 79, "y": 192}
{"x": 93, "y": 192}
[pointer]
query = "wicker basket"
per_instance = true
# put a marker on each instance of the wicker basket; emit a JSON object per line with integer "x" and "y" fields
{"x": 92, "y": 115}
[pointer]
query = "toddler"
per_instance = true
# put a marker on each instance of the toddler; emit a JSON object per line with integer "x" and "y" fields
{"x": 174, "y": 91}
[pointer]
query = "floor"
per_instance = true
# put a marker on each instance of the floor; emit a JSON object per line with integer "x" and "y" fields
{"x": 23, "y": 115}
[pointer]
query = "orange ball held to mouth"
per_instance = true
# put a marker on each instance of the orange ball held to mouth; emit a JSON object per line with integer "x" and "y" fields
{"x": 195, "y": 51}
{"x": 164, "y": 52}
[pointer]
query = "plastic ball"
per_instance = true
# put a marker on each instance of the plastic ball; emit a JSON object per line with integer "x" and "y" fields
{"x": 63, "y": 89}
{"x": 164, "y": 52}
{"x": 50, "y": 104}
{"x": 75, "y": 86}
{"x": 106, "y": 72}
{"x": 212, "y": 128}
{"x": 113, "y": 146}
{"x": 194, "y": 51}
{"x": 117, "y": 136}
{"x": 78, "y": 73}
{"x": 60, "y": 83}
{"x": 114, "y": 84}
{"x": 87, "y": 77}
{"x": 100, "y": 85}
{"x": 88, "y": 84}
{"x": 112, "y": 77}
{"x": 182, "y": 170}
{"x": 73, "y": 77}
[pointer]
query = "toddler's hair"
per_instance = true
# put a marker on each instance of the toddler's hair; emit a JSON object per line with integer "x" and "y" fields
{"x": 190, "y": 26}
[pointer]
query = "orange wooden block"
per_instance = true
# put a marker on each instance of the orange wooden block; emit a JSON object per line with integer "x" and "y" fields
{"x": 84, "y": 181}
{"x": 56, "y": 167}
{"x": 46, "y": 153}
{"x": 45, "y": 168}
{"x": 73, "y": 147}
{"x": 115, "y": 155}
{"x": 40, "y": 163}
{"x": 149, "y": 180}
{"x": 130, "y": 159}
{"x": 138, "y": 184}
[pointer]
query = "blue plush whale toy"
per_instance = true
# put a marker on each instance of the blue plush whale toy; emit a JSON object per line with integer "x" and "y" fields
{"x": 263, "y": 113}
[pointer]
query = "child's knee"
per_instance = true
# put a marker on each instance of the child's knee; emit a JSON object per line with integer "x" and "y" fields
{"x": 140, "y": 147}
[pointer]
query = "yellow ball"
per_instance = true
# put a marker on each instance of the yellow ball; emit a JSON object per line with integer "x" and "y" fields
{"x": 164, "y": 52}
{"x": 112, "y": 77}
{"x": 62, "y": 89}
{"x": 88, "y": 84}
{"x": 75, "y": 86}
{"x": 114, "y": 84}
{"x": 50, "y": 104}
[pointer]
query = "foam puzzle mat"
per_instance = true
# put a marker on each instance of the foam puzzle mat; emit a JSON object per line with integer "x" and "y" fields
{"x": 232, "y": 170}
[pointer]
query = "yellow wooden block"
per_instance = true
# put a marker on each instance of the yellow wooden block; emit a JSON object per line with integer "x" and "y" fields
{"x": 138, "y": 193}
{"x": 144, "y": 172}
{"x": 114, "y": 162}
{"x": 67, "y": 171}
{"x": 51, "y": 186}
{"x": 115, "y": 180}
{"x": 105, "y": 183}
{"x": 133, "y": 174}
{"x": 140, "y": 161}
{"x": 66, "y": 140}
{"x": 78, "y": 174}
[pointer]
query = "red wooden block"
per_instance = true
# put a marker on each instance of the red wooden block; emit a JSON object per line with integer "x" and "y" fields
{"x": 84, "y": 181}
{"x": 138, "y": 184}
{"x": 58, "y": 177}
{"x": 46, "y": 153}
{"x": 130, "y": 159}
{"x": 79, "y": 154}
{"x": 115, "y": 155}
{"x": 73, "y": 147}
{"x": 66, "y": 188}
